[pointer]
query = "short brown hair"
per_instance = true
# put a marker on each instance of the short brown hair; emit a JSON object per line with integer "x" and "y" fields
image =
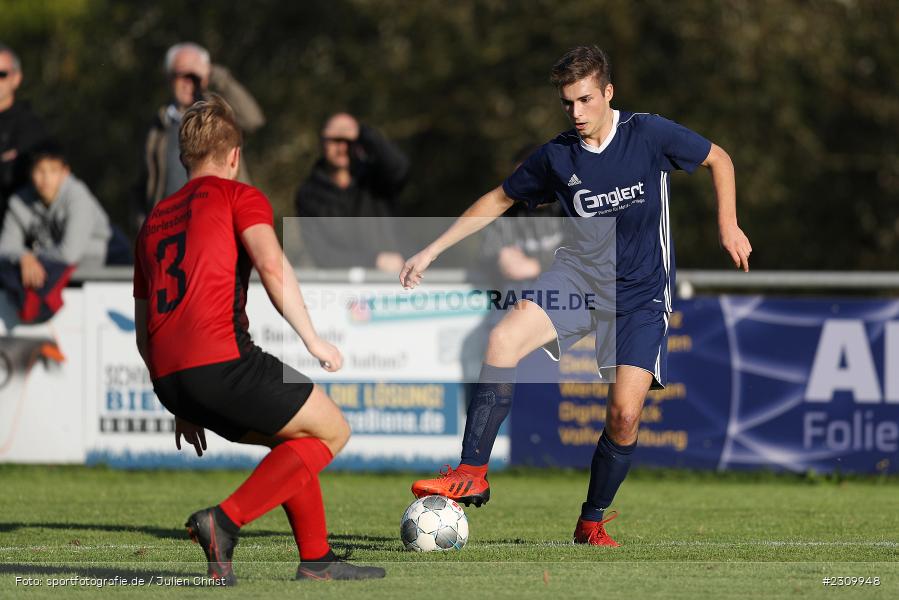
{"x": 208, "y": 130}
{"x": 580, "y": 63}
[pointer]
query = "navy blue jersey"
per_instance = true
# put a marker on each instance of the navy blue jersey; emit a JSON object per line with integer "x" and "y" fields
{"x": 617, "y": 198}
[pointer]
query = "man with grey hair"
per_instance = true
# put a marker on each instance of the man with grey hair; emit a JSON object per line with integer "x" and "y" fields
{"x": 20, "y": 129}
{"x": 191, "y": 75}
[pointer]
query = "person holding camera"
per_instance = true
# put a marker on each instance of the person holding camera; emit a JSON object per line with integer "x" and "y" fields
{"x": 191, "y": 75}
{"x": 359, "y": 175}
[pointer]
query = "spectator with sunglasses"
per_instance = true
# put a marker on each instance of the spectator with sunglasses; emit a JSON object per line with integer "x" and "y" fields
{"x": 359, "y": 175}
{"x": 20, "y": 129}
{"x": 191, "y": 75}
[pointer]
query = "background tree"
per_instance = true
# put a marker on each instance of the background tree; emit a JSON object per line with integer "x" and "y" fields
{"x": 802, "y": 94}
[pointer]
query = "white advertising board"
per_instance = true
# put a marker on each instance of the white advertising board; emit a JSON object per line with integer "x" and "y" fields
{"x": 400, "y": 387}
{"x": 41, "y": 387}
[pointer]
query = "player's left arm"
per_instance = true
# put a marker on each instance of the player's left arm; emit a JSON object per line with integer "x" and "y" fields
{"x": 731, "y": 237}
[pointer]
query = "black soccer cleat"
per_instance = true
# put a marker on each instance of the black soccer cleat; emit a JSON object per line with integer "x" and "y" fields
{"x": 476, "y": 499}
{"x": 336, "y": 570}
{"x": 217, "y": 544}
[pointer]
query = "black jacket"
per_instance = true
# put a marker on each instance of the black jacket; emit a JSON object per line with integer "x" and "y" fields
{"x": 342, "y": 228}
{"x": 22, "y": 131}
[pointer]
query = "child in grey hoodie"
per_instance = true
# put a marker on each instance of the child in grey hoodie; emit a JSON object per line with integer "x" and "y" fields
{"x": 51, "y": 226}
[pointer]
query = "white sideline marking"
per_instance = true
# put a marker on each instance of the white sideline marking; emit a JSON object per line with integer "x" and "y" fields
{"x": 549, "y": 544}
{"x": 697, "y": 544}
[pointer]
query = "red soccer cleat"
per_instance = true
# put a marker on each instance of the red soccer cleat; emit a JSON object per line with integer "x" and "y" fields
{"x": 594, "y": 533}
{"x": 466, "y": 485}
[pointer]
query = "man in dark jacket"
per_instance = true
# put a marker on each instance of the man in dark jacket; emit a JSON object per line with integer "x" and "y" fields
{"x": 359, "y": 175}
{"x": 20, "y": 130}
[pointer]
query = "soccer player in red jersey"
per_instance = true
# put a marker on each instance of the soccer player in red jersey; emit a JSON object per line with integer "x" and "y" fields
{"x": 193, "y": 259}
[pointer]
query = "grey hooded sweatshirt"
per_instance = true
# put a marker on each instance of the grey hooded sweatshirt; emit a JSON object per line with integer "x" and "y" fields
{"x": 74, "y": 229}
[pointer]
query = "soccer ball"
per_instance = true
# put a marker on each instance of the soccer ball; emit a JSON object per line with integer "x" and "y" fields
{"x": 434, "y": 523}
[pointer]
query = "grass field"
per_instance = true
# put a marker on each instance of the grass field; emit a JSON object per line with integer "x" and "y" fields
{"x": 682, "y": 535}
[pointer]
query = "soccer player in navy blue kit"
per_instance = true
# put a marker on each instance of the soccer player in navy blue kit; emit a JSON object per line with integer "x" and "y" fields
{"x": 613, "y": 167}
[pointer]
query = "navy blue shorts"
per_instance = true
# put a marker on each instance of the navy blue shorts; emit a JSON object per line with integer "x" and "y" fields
{"x": 638, "y": 338}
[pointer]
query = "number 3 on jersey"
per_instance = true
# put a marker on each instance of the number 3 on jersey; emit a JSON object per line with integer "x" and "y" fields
{"x": 163, "y": 303}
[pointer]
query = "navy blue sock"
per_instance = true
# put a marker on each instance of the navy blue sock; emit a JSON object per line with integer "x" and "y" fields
{"x": 610, "y": 465}
{"x": 489, "y": 407}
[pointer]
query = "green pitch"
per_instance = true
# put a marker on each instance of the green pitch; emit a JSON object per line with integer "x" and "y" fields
{"x": 682, "y": 535}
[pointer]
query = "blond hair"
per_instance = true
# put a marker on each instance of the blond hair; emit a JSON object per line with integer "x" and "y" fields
{"x": 208, "y": 131}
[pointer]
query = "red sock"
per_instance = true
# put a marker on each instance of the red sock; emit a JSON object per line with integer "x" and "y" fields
{"x": 282, "y": 474}
{"x": 473, "y": 469}
{"x": 306, "y": 513}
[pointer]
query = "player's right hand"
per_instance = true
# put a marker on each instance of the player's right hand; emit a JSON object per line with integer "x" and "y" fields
{"x": 328, "y": 355}
{"x": 735, "y": 243}
{"x": 413, "y": 270}
{"x": 193, "y": 434}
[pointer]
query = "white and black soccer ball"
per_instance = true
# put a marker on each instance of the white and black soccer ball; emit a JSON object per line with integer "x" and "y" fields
{"x": 434, "y": 523}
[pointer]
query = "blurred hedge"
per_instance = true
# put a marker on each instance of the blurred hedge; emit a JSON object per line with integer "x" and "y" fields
{"x": 804, "y": 95}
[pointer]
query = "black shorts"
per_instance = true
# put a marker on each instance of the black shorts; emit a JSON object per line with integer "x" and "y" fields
{"x": 237, "y": 396}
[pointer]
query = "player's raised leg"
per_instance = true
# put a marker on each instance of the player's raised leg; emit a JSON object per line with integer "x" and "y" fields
{"x": 300, "y": 450}
{"x": 612, "y": 457}
{"x": 307, "y": 444}
{"x": 305, "y": 510}
{"x": 526, "y": 328}
{"x": 288, "y": 476}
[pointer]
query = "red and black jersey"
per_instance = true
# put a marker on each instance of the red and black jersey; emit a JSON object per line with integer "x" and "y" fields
{"x": 193, "y": 270}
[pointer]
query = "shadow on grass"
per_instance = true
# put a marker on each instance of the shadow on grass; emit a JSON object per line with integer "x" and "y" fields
{"x": 345, "y": 542}
{"x": 160, "y": 532}
{"x": 339, "y": 541}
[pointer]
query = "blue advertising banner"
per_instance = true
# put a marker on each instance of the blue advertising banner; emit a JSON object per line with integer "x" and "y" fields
{"x": 754, "y": 382}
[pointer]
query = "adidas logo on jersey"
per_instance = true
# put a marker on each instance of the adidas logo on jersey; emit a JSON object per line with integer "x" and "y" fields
{"x": 574, "y": 180}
